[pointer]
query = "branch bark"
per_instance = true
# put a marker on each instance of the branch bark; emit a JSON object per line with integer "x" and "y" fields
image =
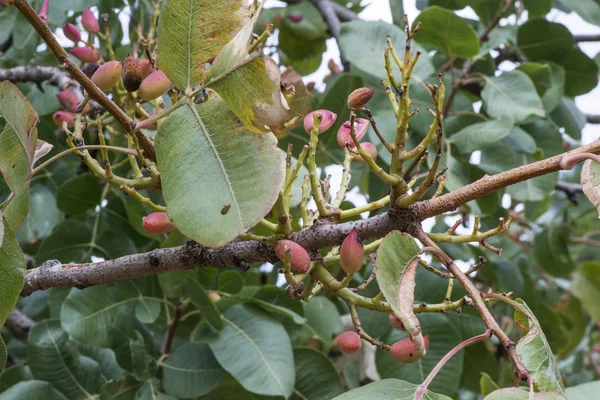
{"x": 38, "y": 74}
{"x": 587, "y": 38}
{"x": 592, "y": 119}
{"x": 19, "y": 324}
{"x": 489, "y": 184}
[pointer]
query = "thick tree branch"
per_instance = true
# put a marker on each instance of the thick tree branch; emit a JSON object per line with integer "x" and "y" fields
{"x": 54, "y": 273}
{"x": 19, "y": 324}
{"x": 489, "y": 184}
{"x": 93, "y": 91}
{"x": 37, "y": 74}
{"x": 592, "y": 119}
{"x": 342, "y": 12}
{"x": 587, "y": 38}
{"x": 332, "y": 20}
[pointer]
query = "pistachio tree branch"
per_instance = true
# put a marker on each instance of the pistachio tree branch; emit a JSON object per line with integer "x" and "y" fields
{"x": 92, "y": 90}
{"x": 38, "y": 74}
{"x": 492, "y": 183}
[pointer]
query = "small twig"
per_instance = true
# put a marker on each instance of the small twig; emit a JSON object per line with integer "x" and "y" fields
{"x": 362, "y": 333}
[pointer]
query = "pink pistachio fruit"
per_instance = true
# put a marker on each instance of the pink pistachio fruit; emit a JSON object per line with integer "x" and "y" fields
{"x": 327, "y": 120}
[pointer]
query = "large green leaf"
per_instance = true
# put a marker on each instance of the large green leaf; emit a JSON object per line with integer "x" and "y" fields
{"x": 190, "y": 32}
{"x": 443, "y": 336}
{"x": 586, "y": 287}
{"x": 567, "y": 115}
{"x": 12, "y": 269}
{"x": 551, "y": 249}
{"x": 538, "y": 7}
{"x": 258, "y": 102}
{"x": 512, "y": 94}
{"x": 589, "y": 10}
{"x": 53, "y": 358}
{"x": 445, "y": 31}
{"x": 541, "y": 39}
{"x": 518, "y": 394}
{"x": 199, "y": 297}
{"x": 244, "y": 348}
{"x": 88, "y": 315}
{"x": 584, "y": 391}
{"x": 213, "y": 190}
{"x": 362, "y": 43}
{"x": 396, "y": 274}
{"x": 323, "y": 319}
{"x": 316, "y": 376}
{"x": 33, "y": 389}
{"x": 590, "y": 182}
{"x": 79, "y": 194}
{"x": 17, "y": 150}
{"x": 581, "y": 72}
{"x": 43, "y": 215}
{"x": 535, "y": 353}
{"x": 191, "y": 371}
{"x": 389, "y": 389}
{"x": 3, "y": 355}
{"x": 483, "y": 134}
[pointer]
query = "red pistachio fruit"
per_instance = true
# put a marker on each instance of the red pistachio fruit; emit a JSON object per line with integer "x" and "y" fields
{"x": 157, "y": 223}
{"x": 296, "y": 17}
{"x": 327, "y": 120}
{"x": 361, "y": 126}
{"x": 85, "y": 54}
{"x": 349, "y": 342}
{"x": 89, "y": 21}
{"x": 107, "y": 75}
{"x": 368, "y": 148}
{"x": 404, "y": 351}
{"x": 396, "y": 323}
{"x": 299, "y": 258}
{"x": 68, "y": 99}
{"x": 352, "y": 253}
{"x": 72, "y": 33}
{"x": 146, "y": 67}
{"x": 60, "y": 116}
{"x": 154, "y": 85}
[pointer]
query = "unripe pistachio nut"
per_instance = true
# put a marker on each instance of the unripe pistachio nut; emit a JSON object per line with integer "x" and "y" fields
{"x": 131, "y": 74}
{"x": 85, "y": 54}
{"x": 154, "y": 85}
{"x": 368, "y": 148}
{"x": 299, "y": 258}
{"x": 72, "y": 33}
{"x": 157, "y": 223}
{"x": 360, "y": 97}
{"x": 404, "y": 351}
{"x": 352, "y": 253}
{"x": 361, "y": 126}
{"x": 107, "y": 75}
{"x": 327, "y": 120}
{"x": 349, "y": 342}
{"x": 89, "y": 21}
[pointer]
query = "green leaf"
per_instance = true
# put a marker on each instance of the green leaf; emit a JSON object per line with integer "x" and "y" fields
{"x": 396, "y": 279}
{"x": 258, "y": 101}
{"x": 199, "y": 297}
{"x": 214, "y": 192}
{"x": 538, "y": 8}
{"x": 567, "y": 115}
{"x": 535, "y": 353}
{"x": 68, "y": 243}
{"x": 32, "y": 390}
{"x": 549, "y": 80}
{"x": 17, "y": 150}
{"x": 323, "y": 319}
{"x": 53, "y": 358}
{"x": 190, "y": 32}
{"x": 581, "y": 72}
{"x": 512, "y": 94}
{"x": 316, "y": 376}
{"x": 311, "y": 27}
{"x": 590, "y": 182}
{"x": 487, "y": 384}
{"x": 43, "y": 215}
{"x": 551, "y": 250}
{"x": 389, "y": 389}
{"x": 88, "y": 315}
{"x": 443, "y": 336}
{"x": 191, "y": 371}
{"x": 14, "y": 375}
{"x": 482, "y": 134}
{"x": 269, "y": 307}
{"x": 541, "y": 39}
{"x": 586, "y": 287}
{"x": 106, "y": 359}
{"x": 589, "y": 10}
{"x": 79, "y": 194}
{"x": 520, "y": 141}
{"x": 244, "y": 348}
{"x": 230, "y": 282}
{"x": 3, "y": 355}
{"x": 518, "y": 394}
{"x": 584, "y": 391}
{"x": 443, "y": 30}
{"x": 362, "y": 43}
{"x": 12, "y": 270}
